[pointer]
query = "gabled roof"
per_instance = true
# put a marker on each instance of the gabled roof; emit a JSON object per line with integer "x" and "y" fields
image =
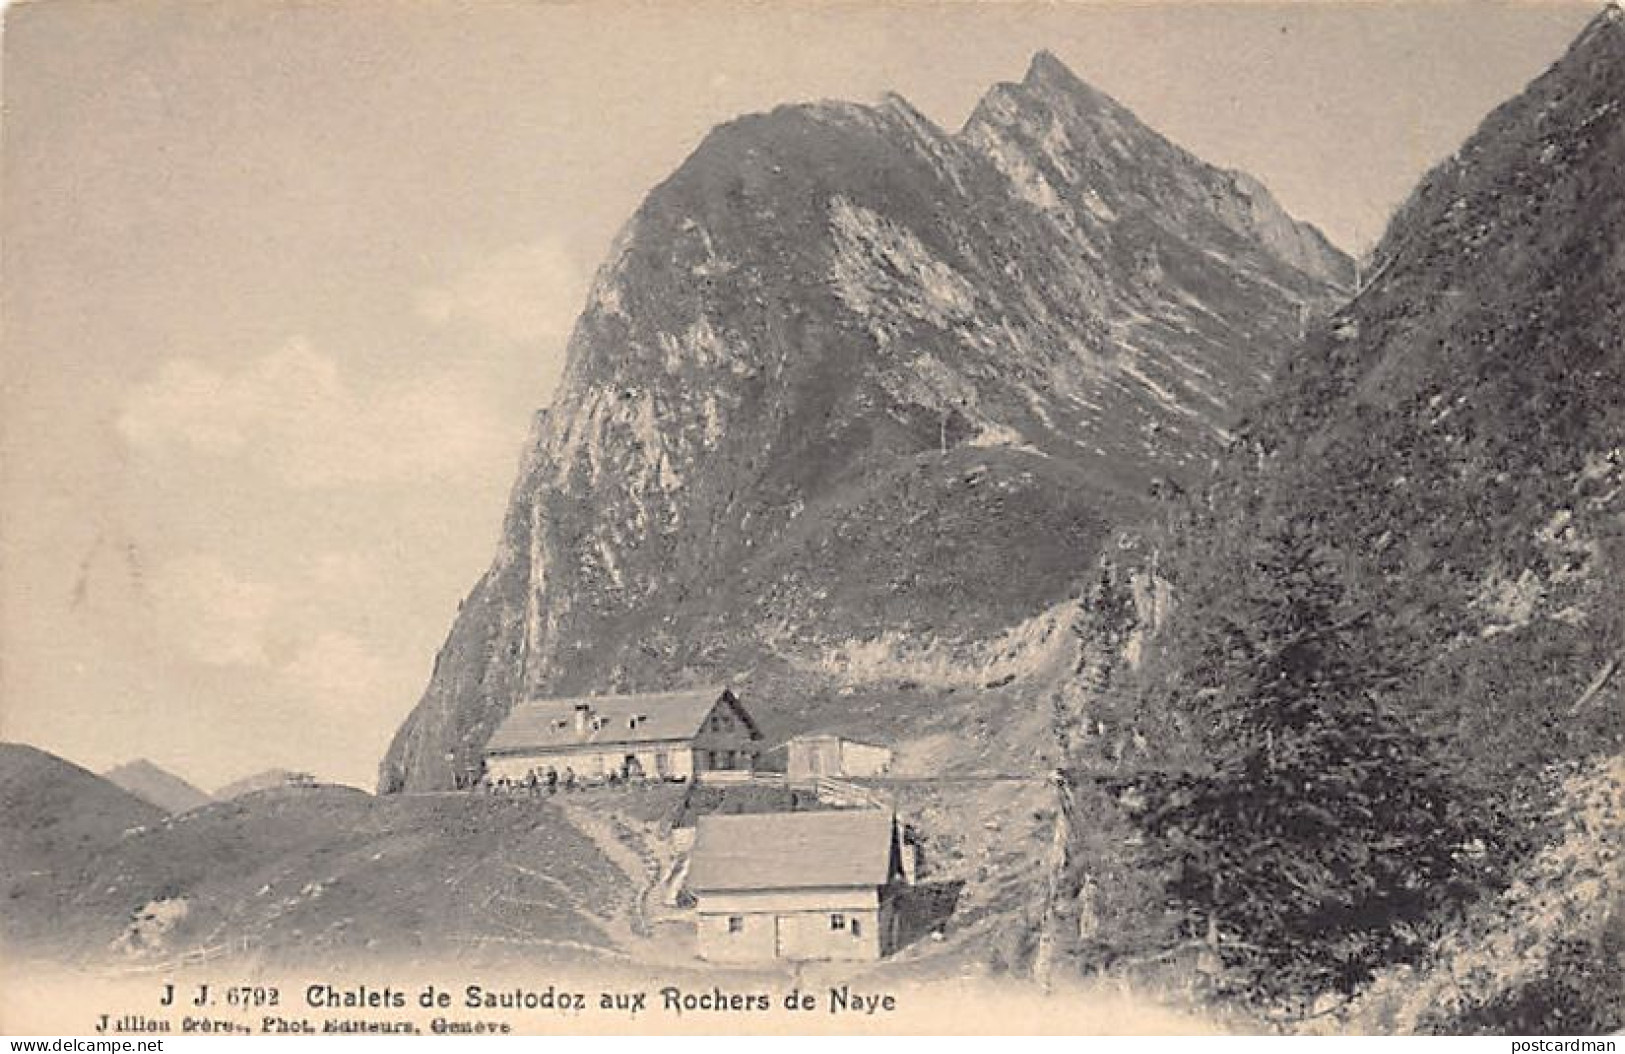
{"x": 551, "y": 723}
{"x": 798, "y": 850}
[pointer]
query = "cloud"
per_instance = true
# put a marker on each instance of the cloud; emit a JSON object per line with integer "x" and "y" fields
{"x": 222, "y": 616}
{"x": 217, "y": 615}
{"x": 338, "y": 672}
{"x": 524, "y": 294}
{"x": 293, "y": 412}
{"x": 340, "y": 572}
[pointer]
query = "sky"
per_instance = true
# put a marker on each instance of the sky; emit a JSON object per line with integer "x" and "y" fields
{"x": 284, "y": 282}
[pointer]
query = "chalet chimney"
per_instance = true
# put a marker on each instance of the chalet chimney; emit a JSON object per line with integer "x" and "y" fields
{"x": 582, "y": 710}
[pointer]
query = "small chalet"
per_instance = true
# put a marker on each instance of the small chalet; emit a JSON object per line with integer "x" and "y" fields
{"x": 696, "y": 734}
{"x": 803, "y": 885}
{"x": 808, "y": 757}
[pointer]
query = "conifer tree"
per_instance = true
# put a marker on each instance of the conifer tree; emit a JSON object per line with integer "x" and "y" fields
{"x": 1319, "y": 836}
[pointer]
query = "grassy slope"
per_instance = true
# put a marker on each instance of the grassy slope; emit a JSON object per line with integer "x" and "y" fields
{"x": 51, "y": 806}
{"x": 52, "y": 811}
{"x": 328, "y": 875}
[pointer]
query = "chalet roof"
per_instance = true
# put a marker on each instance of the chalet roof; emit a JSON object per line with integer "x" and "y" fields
{"x": 543, "y": 723}
{"x": 824, "y": 737}
{"x": 800, "y": 850}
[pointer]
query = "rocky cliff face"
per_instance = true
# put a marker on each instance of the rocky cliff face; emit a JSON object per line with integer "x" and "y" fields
{"x": 847, "y": 373}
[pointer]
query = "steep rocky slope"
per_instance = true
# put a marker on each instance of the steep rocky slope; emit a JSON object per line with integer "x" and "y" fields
{"x": 845, "y": 373}
{"x": 1457, "y": 434}
{"x": 1420, "y": 533}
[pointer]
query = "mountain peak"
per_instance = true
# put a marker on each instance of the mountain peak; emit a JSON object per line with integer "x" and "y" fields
{"x": 1599, "y": 46}
{"x": 1610, "y": 20}
{"x": 816, "y": 327}
{"x": 1047, "y": 75}
{"x": 1567, "y": 120}
{"x": 1047, "y": 67}
{"x": 894, "y": 105}
{"x": 156, "y": 785}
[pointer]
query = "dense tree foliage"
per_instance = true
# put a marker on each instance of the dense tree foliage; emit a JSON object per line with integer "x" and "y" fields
{"x": 1319, "y": 835}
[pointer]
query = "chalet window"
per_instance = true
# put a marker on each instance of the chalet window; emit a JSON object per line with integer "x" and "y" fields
{"x": 837, "y": 922}
{"x": 736, "y": 924}
{"x": 857, "y": 927}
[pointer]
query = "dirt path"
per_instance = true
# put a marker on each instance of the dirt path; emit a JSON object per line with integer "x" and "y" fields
{"x": 646, "y": 857}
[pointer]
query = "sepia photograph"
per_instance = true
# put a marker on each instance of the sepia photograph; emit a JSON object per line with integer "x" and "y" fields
{"x": 907, "y": 517}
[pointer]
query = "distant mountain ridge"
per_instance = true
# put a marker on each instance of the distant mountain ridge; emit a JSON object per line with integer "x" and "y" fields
{"x": 157, "y": 786}
{"x": 270, "y": 779}
{"x": 846, "y": 374}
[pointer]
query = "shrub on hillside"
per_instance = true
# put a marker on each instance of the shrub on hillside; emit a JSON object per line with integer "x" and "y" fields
{"x": 1311, "y": 835}
{"x": 1548, "y": 954}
